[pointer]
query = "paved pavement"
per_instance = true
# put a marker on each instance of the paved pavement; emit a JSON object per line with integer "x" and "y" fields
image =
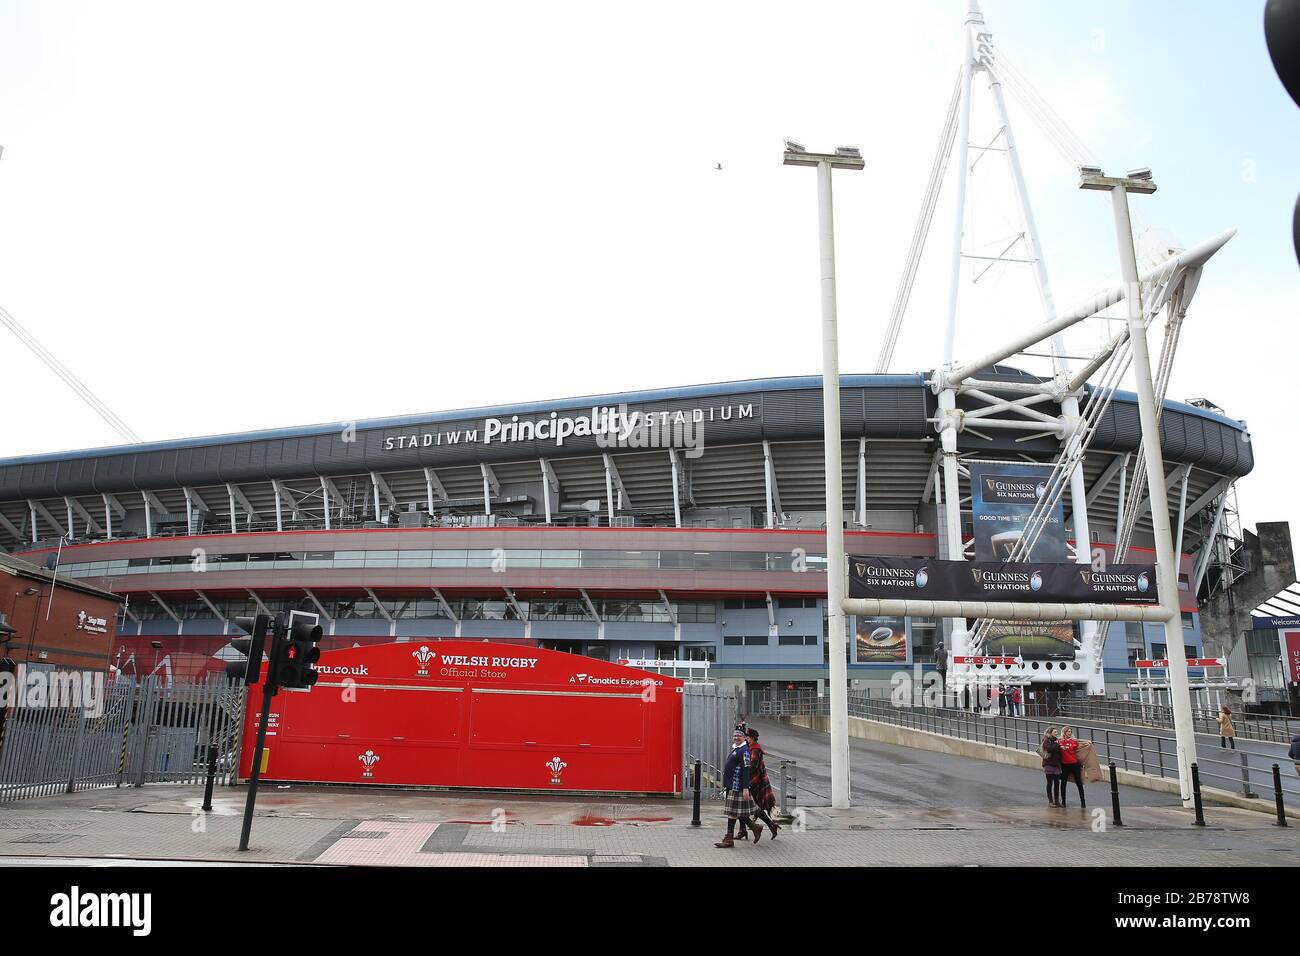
{"x": 913, "y": 808}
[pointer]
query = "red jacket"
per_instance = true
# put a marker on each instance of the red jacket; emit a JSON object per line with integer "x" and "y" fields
{"x": 1068, "y": 748}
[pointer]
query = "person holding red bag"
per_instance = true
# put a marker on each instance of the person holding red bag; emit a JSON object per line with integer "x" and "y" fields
{"x": 1070, "y": 766}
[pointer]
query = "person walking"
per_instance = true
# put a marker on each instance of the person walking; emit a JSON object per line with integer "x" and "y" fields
{"x": 1015, "y": 702}
{"x": 1227, "y": 733}
{"x": 1294, "y": 752}
{"x": 1050, "y": 750}
{"x": 738, "y": 805}
{"x": 1070, "y": 766}
{"x": 760, "y": 787}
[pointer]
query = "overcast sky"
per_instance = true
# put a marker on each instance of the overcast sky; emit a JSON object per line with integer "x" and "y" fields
{"x": 207, "y": 209}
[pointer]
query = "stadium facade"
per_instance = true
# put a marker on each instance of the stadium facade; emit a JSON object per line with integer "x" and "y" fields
{"x": 682, "y": 523}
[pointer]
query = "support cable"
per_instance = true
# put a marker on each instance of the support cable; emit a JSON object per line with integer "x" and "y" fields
{"x": 67, "y": 377}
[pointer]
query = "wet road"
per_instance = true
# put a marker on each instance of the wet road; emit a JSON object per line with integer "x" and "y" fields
{"x": 890, "y": 776}
{"x": 1219, "y": 766}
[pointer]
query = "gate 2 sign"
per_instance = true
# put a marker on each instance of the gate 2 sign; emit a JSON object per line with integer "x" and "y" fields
{"x": 475, "y": 714}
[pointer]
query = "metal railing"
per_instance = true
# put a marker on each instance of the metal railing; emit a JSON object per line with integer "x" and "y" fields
{"x": 1267, "y": 727}
{"x": 1242, "y": 771}
{"x": 783, "y": 775}
{"x": 147, "y": 731}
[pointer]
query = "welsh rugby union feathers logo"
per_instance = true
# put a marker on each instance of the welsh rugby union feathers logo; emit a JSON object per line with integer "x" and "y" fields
{"x": 556, "y": 766}
{"x": 422, "y": 658}
{"x": 368, "y": 761}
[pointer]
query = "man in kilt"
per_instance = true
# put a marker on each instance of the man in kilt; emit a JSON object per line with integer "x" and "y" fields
{"x": 735, "y": 783}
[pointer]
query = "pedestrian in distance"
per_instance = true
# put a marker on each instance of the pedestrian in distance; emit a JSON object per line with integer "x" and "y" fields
{"x": 760, "y": 787}
{"x": 1294, "y": 752}
{"x": 1071, "y": 769}
{"x": 738, "y": 804}
{"x": 1050, "y": 751}
{"x": 1015, "y": 702}
{"x": 1227, "y": 733}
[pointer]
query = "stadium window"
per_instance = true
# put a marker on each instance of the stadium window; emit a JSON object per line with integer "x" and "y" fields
{"x": 757, "y": 641}
{"x": 561, "y": 559}
{"x": 691, "y": 612}
{"x": 1188, "y": 623}
{"x": 748, "y": 561}
{"x": 925, "y": 637}
{"x": 731, "y": 641}
{"x": 848, "y": 653}
{"x": 1135, "y": 641}
{"x": 797, "y": 640}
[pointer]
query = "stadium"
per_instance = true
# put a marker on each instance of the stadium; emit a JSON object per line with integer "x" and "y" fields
{"x": 684, "y": 524}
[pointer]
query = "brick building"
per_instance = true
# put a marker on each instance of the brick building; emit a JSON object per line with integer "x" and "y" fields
{"x": 72, "y": 630}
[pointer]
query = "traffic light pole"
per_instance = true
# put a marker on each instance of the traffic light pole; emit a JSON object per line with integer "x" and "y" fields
{"x": 256, "y": 771}
{"x": 268, "y": 691}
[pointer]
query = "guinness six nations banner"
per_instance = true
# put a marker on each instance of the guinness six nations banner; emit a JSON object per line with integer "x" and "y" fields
{"x": 929, "y": 579}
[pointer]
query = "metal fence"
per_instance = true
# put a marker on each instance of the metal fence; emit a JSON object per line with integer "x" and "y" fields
{"x": 1247, "y": 772}
{"x": 147, "y": 731}
{"x": 708, "y": 715}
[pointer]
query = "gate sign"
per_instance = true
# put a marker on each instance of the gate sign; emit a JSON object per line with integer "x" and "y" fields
{"x": 1163, "y": 662}
{"x": 475, "y": 714}
{"x": 1291, "y": 655}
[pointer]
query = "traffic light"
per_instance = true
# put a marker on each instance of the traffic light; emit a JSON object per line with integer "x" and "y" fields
{"x": 252, "y": 646}
{"x": 299, "y": 651}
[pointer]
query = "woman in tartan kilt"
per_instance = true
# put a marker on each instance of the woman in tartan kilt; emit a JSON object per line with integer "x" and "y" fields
{"x": 737, "y": 804}
{"x": 760, "y": 787}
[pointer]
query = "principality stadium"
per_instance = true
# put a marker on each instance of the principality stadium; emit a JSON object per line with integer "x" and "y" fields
{"x": 683, "y": 524}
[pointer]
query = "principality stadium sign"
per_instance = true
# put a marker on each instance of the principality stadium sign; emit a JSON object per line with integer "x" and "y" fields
{"x": 610, "y": 425}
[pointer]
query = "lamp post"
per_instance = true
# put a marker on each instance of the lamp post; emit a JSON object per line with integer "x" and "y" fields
{"x": 1139, "y": 181}
{"x": 844, "y": 157}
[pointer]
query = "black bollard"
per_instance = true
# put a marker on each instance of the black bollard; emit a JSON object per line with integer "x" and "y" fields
{"x": 212, "y": 772}
{"x": 695, "y": 808}
{"x": 1277, "y": 795}
{"x": 1196, "y": 796}
{"x": 1114, "y": 796}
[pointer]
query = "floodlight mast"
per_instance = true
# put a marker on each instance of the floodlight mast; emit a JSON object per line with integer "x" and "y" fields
{"x": 844, "y": 157}
{"x": 1139, "y": 181}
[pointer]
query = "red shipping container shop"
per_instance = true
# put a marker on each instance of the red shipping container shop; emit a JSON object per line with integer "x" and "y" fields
{"x": 473, "y": 714}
